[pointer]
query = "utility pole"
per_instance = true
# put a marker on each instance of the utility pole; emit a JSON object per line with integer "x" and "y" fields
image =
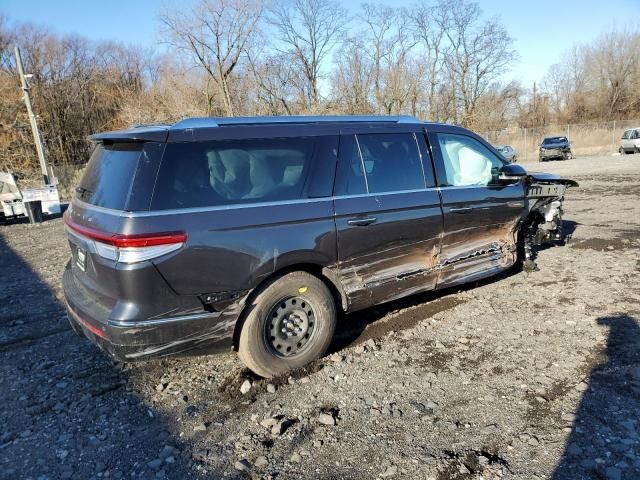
{"x": 534, "y": 102}
{"x": 32, "y": 118}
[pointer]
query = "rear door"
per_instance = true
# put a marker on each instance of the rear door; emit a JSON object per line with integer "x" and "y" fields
{"x": 480, "y": 215}
{"x": 388, "y": 215}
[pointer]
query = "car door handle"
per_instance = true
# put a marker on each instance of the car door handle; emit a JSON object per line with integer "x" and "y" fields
{"x": 460, "y": 210}
{"x": 362, "y": 222}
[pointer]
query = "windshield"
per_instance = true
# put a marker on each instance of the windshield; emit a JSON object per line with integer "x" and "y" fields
{"x": 549, "y": 140}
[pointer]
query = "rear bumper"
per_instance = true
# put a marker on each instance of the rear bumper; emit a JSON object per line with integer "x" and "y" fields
{"x": 205, "y": 332}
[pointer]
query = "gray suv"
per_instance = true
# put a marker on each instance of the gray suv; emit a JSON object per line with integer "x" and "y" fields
{"x": 255, "y": 233}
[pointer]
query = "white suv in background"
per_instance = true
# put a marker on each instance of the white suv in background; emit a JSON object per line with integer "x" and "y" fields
{"x": 630, "y": 141}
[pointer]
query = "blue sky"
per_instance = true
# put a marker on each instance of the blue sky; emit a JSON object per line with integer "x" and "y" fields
{"x": 542, "y": 29}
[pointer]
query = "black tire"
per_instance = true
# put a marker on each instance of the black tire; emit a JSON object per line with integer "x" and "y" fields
{"x": 636, "y": 150}
{"x": 310, "y": 298}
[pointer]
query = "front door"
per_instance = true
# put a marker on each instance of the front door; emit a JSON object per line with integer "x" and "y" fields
{"x": 480, "y": 215}
{"x": 388, "y": 216}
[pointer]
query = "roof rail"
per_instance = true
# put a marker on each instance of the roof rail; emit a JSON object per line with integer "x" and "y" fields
{"x": 148, "y": 125}
{"x": 204, "y": 122}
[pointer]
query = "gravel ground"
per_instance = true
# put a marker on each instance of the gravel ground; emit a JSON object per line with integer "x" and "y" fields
{"x": 527, "y": 375}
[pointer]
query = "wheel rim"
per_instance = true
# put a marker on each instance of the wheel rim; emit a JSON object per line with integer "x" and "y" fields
{"x": 290, "y": 327}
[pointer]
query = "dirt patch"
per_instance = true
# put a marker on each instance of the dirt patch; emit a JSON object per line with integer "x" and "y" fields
{"x": 377, "y": 322}
{"x": 604, "y": 244}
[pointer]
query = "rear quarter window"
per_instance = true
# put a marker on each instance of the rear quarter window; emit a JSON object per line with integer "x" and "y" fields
{"x": 109, "y": 174}
{"x": 227, "y": 172}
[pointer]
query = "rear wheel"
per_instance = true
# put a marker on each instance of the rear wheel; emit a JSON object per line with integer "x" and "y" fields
{"x": 636, "y": 150}
{"x": 290, "y": 323}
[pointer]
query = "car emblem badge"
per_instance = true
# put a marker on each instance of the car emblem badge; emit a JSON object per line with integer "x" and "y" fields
{"x": 81, "y": 259}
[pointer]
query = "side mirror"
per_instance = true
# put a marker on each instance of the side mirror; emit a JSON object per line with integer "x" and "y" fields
{"x": 511, "y": 173}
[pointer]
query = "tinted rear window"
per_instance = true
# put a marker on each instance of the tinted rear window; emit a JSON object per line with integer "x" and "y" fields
{"x": 107, "y": 179}
{"x": 224, "y": 172}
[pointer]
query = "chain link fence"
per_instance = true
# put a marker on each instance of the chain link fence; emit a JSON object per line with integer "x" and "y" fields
{"x": 595, "y": 138}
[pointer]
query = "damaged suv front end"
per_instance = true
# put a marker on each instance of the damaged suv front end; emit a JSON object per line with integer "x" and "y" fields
{"x": 545, "y": 195}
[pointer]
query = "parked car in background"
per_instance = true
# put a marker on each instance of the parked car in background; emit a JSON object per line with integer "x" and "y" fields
{"x": 508, "y": 152}
{"x": 630, "y": 141}
{"x": 254, "y": 233}
{"x": 11, "y": 205}
{"x": 555, "y": 148}
{"x": 14, "y": 201}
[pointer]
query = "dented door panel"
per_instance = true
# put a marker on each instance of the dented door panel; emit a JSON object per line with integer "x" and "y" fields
{"x": 479, "y": 230}
{"x": 397, "y": 253}
{"x": 480, "y": 220}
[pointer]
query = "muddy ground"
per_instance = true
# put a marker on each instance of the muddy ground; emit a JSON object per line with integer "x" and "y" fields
{"x": 527, "y": 375}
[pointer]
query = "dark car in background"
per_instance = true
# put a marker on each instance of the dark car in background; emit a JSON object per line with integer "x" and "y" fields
{"x": 555, "y": 148}
{"x": 255, "y": 233}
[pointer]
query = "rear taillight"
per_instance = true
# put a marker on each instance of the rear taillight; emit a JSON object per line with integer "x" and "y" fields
{"x": 128, "y": 248}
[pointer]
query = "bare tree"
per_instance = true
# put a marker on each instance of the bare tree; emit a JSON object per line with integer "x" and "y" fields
{"x": 428, "y": 26}
{"x": 613, "y": 66}
{"x": 215, "y": 33}
{"x": 353, "y": 80}
{"x": 478, "y": 52}
{"x": 307, "y": 31}
{"x": 389, "y": 45}
{"x": 597, "y": 81}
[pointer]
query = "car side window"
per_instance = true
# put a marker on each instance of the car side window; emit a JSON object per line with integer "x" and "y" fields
{"x": 379, "y": 163}
{"x": 225, "y": 172}
{"x": 467, "y": 162}
{"x": 350, "y": 177}
{"x": 391, "y": 161}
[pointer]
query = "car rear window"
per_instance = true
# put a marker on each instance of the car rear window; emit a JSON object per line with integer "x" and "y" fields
{"x": 107, "y": 179}
{"x": 225, "y": 172}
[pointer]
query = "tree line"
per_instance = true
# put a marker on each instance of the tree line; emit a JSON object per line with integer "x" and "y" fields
{"x": 441, "y": 60}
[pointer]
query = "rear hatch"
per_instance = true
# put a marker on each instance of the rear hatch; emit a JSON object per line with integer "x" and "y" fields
{"x": 110, "y": 274}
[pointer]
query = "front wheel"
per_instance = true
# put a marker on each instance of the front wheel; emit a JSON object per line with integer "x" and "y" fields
{"x": 289, "y": 324}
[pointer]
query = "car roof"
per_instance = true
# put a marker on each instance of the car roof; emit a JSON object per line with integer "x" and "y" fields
{"x": 160, "y": 132}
